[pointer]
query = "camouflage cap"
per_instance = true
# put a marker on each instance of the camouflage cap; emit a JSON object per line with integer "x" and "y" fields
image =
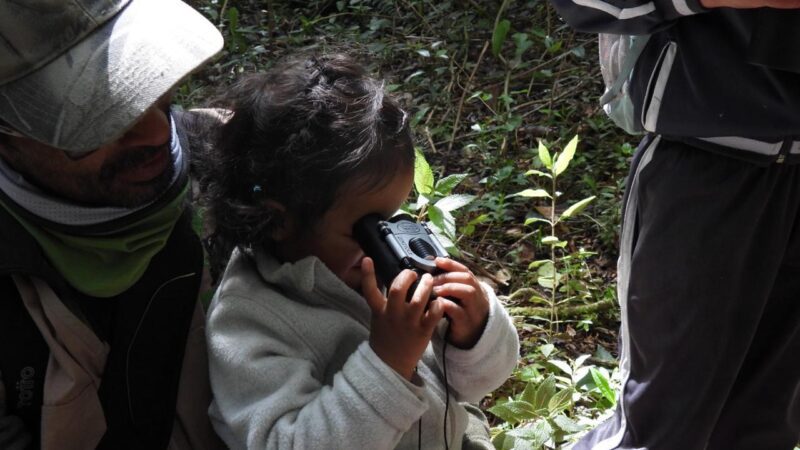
{"x": 76, "y": 74}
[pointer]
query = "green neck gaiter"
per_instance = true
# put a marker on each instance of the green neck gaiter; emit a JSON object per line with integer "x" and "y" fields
{"x": 105, "y": 266}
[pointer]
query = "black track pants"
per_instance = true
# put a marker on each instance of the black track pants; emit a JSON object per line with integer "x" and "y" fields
{"x": 709, "y": 289}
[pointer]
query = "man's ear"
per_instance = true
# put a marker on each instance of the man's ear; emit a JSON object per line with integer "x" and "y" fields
{"x": 283, "y": 222}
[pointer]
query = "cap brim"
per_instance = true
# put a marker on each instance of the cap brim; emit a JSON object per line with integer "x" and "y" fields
{"x": 94, "y": 92}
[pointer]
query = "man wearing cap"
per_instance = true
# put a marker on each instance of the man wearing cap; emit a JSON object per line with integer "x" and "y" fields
{"x": 101, "y": 333}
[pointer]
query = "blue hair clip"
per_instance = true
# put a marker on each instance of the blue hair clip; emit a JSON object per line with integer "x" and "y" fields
{"x": 256, "y": 189}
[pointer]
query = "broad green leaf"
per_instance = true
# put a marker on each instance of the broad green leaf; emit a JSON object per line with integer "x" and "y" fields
{"x": 536, "y": 435}
{"x": 538, "y": 173}
{"x": 531, "y": 193}
{"x": 603, "y": 385}
{"x": 559, "y": 402}
{"x": 435, "y": 218}
{"x": 514, "y": 411}
{"x": 529, "y": 393}
{"x": 563, "y": 159}
{"x": 544, "y": 392}
{"x": 445, "y": 185}
{"x": 546, "y": 349}
{"x": 547, "y": 269}
{"x": 522, "y": 444}
{"x": 550, "y": 240}
{"x": 502, "y": 441}
{"x": 603, "y": 355}
{"x": 561, "y": 365}
{"x": 469, "y": 228}
{"x": 443, "y": 220}
{"x": 544, "y": 156}
{"x": 568, "y": 425}
{"x": 539, "y": 263}
{"x": 531, "y": 220}
{"x": 529, "y": 373}
{"x": 455, "y": 201}
{"x": 423, "y": 176}
{"x": 580, "y": 360}
{"x": 499, "y": 36}
{"x": 547, "y": 282}
{"x": 576, "y": 208}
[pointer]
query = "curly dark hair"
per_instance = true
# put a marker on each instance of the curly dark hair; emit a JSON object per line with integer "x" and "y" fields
{"x": 298, "y": 135}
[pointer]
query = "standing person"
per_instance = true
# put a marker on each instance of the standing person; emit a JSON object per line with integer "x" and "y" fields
{"x": 305, "y": 351}
{"x": 101, "y": 332}
{"x": 709, "y": 271}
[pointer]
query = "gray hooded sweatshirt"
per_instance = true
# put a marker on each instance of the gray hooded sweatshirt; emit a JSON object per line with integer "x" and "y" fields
{"x": 291, "y": 366}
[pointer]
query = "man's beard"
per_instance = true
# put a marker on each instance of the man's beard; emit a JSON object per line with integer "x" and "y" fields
{"x": 110, "y": 192}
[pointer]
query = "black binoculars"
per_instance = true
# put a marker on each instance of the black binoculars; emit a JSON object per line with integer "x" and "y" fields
{"x": 396, "y": 244}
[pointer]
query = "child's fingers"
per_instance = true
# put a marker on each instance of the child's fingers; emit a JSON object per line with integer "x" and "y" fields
{"x": 398, "y": 291}
{"x": 456, "y": 277}
{"x": 453, "y": 310}
{"x": 369, "y": 286}
{"x": 464, "y": 292}
{"x": 450, "y": 265}
{"x": 421, "y": 295}
{"x": 433, "y": 315}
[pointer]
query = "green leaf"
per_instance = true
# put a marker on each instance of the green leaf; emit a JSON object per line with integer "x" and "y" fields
{"x": 543, "y": 394}
{"x": 531, "y": 220}
{"x": 443, "y": 220}
{"x": 423, "y": 176}
{"x": 550, "y": 240}
{"x": 561, "y": 365}
{"x": 603, "y": 355}
{"x": 576, "y": 208}
{"x": 529, "y": 373}
{"x": 568, "y": 425}
{"x": 455, "y": 201}
{"x": 514, "y": 411}
{"x": 580, "y": 360}
{"x": 233, "y": 20}
{"x": 544, "y": 156}
{"x": 522, "y": 43}
{"x": 547, "y": 349}
{"x": 445, "y": 185}
{"x": 531, "y": 193}
{"x": 499, "y": 36}
{"x": 469, "y": 228}
{"x": 563, "y": 159}
{"x": 603, "y": 385}
{"x": 538, "y": 173}
{"x": 502, "y": 441}
{"x": 529, "y": 393}
{"x": 559, "y": 402}
{"x": 536, "y": 434}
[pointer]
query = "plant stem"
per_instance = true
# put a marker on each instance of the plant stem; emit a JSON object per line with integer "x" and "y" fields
{"x": 553, "y": 308}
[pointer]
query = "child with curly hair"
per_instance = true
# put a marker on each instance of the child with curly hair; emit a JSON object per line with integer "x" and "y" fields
{"x": 306, "y": 350}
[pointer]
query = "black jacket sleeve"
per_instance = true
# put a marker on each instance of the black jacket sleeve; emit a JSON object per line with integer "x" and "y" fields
{"x": 625, "y": 16}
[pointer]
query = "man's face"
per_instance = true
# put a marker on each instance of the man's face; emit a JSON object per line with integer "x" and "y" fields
{"x": 128, "y": 172}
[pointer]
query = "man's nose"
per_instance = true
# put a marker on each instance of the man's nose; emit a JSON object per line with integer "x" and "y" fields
{"x": 152, "y": 129}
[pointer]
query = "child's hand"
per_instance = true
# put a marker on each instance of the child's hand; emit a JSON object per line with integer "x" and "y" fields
{"x": 400, "y": 330}
{"x": 467, "y": 317}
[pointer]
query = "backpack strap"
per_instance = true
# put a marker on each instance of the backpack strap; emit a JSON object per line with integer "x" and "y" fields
{"x": 23, "y": 359}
